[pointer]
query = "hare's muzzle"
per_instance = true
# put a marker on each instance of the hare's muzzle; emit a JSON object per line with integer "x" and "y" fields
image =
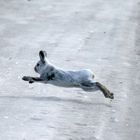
{"x": 35, "y": 69}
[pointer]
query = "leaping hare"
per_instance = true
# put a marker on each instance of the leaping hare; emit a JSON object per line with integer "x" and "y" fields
{"x": 50, "y": 74}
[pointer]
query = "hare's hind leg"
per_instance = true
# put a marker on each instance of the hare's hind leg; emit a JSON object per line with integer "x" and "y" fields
{"x": 93, "y": 86}
{"x": 105, "y": 91}
{"x": 88, "y": 86}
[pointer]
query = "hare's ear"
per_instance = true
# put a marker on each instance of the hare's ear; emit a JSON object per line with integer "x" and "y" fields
{"x": 42, "y": 55}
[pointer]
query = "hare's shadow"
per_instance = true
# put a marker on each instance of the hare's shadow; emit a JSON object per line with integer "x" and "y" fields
{"x": 55, "y": 99}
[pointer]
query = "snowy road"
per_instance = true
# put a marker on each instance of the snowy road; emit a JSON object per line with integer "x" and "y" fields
{"x": 102, "y": 35}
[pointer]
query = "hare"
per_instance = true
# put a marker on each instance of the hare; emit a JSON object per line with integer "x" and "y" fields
{"x": 50, "y": 74}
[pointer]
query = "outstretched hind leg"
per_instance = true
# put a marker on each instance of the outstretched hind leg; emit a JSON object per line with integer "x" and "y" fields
{"x": 105, "y": 91}
{"x": 93, "y": 86}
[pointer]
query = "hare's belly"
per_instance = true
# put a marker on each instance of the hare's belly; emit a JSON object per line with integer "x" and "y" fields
{"x": 64, "y": 83}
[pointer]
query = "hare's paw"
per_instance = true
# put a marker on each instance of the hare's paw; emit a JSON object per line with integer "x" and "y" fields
{"x": 31, "y": 81}
{"x": 110, "y": 95}
{"x": 28, "y": 78}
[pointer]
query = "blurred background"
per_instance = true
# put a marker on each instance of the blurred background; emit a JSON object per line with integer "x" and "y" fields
{"x": 101, "y": 35}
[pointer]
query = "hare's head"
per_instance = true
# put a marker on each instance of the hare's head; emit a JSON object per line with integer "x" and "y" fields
{"x": 42, "y": 63}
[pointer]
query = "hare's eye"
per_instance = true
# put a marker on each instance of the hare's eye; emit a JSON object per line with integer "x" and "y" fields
{"x": 37, "y": 64}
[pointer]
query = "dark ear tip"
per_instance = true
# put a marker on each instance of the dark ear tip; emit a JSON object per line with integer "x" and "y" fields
{"x": 41, "y": 52}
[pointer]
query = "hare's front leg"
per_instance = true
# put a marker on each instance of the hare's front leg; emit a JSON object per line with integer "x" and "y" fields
{"x": 32, "y": 79}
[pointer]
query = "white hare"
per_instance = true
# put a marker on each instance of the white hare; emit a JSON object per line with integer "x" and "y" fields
{"x": 50, "y": 74}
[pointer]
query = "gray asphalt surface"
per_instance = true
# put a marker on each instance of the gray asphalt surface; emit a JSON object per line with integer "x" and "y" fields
{"x": 102, "y": 35}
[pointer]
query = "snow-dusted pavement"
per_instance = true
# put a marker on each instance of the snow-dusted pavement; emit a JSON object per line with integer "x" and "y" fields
{"x": 102, "y": 35}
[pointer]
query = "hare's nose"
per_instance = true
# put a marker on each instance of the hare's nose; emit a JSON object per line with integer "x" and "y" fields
{"x": 35, "y": 69}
